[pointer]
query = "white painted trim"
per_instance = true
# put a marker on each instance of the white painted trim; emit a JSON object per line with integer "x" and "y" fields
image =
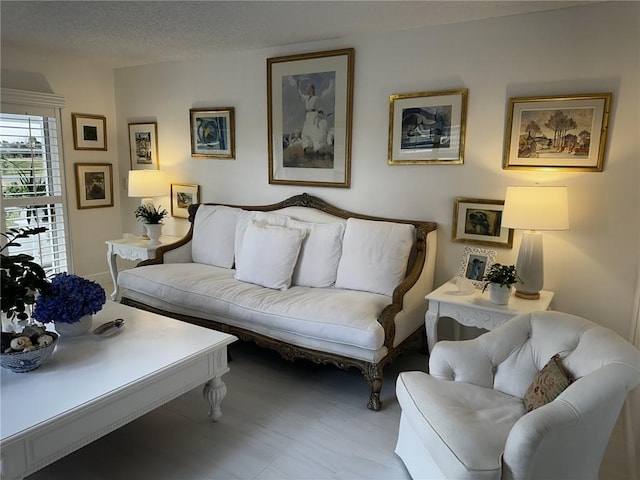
{"x": 37, "y": 99}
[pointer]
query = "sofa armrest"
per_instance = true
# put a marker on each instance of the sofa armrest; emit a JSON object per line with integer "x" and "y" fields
{"x": 177, "y": 252}
{"x": 461, "y": 361}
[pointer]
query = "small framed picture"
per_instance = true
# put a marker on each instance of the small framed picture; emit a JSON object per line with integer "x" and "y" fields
{"x": 475, "y": 263}
{"x": 212, "y": 132}
{"x": 427, "y": 127}
{"x": 94, "y": 185}
{"x": 89, "y": 131}
{"x": 479, "y": 222}
{"x": 181, "y": 197}
{"x": 564, "y": 133}
{"x": 143, "y": 146}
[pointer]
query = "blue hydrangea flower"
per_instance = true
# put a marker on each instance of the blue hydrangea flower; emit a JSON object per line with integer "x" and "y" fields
{"x": 69, "y": 299}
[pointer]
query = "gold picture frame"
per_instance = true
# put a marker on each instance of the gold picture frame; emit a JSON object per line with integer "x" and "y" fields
{"x": 212, "y": 132}
{"x": 479, "y": 221}
{"x": 561, "y": 133}
{"x": 89, "y": 131}
{"x": 143, "y": 146}
{"x": 310, "y": 110}
{"x": 94, "y": 185}
{"x": 427, "y": 127}
{"x": 182, "y": 196}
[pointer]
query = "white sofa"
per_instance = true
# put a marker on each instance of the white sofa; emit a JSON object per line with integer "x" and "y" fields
{"x": 301, "y": 276}
{"x": 467, "y": 418}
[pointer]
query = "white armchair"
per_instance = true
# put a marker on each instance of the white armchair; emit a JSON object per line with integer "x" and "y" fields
{"x": 466, "y": 419}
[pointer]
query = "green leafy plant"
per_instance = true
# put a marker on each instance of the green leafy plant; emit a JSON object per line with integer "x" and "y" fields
{"x": 503, "y": 275}
{"x": 150, "y": 214}
{"x": 22, "y": 278}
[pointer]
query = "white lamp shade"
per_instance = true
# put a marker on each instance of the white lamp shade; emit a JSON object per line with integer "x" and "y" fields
{"x": 536, "y": 208}
{"x": 146, "y": 183}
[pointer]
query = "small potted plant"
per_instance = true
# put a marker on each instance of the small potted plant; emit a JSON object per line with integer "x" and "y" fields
{"x": 69, "y": 304}
{"x": 152, "y": 218}
{"x": 499, "y": 279}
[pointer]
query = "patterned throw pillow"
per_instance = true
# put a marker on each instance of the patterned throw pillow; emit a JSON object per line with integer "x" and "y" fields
{"x": 547, "y": 385}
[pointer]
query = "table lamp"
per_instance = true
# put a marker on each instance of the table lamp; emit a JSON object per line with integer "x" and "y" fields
{"x": 533, "y": 209}
{"x": 146, "y": 184}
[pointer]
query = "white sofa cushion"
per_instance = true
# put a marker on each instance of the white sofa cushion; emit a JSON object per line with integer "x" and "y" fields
{"x": 245, "y": 217}
{"x": 374, "y": 255}
{"x": 268, "y": 255}
{"x": 320, "y": 253}
{"x": 213, "y": 240}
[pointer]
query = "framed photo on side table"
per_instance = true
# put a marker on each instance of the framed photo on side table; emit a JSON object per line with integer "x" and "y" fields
{"x": 94, "y": 185}
{"x": 143, "y": 146}
{"x": 427, "y": 127}
{"x": 475, "y": 262}
{"x": 182, "y": 196}
{"x": 212, "y": 132}
{"x": 310, "y": 104}
{"x": 89, "y": 131}
{"x": 564, "y": 133}
{"x": 480, "y": 222}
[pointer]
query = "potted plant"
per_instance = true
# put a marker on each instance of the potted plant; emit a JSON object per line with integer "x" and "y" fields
{"x": 500, "y": 278}
{"x": 152, "y": 218}
{"x": 70, "y": 303}
{"x": 27, "y": 346}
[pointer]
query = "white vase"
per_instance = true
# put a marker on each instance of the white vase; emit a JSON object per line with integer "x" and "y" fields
{"x": 75, "y": 329}
{"x": 154, "y": 231}
{"x": 499, "y": 294}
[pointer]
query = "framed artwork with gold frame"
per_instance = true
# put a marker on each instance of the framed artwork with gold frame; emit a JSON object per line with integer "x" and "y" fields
{"x": 427, "y": 127}
{"x": 94, "y": 185}
{"x": 479, "y": 222}
{"x": 310, "y": 105}
{"x": 183, "y": 195}
{"x": 212, "y": 132}
{"x": 89, "y": 131}
{"x": 143, "y": 146}
{"x": 561, "y": 133}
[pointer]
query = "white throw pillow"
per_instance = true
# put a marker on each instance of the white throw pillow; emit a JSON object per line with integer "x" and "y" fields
{"x": 268, "y": 255}
{"x": 320, "y": 253}
{"x": 246, "y": 216}
{"x": 214, "y": 235}
{"x": 374, "y": 255}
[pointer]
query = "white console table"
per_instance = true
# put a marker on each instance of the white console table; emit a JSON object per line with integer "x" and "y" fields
{"x": 136, "y": 248}
{"x": 475, "y": 309}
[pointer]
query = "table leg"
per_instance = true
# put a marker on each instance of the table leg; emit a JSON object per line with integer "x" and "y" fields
{"x": 431, "y": 325}
{"x": 113, "y": 268}
{"x": 214, "y": 391}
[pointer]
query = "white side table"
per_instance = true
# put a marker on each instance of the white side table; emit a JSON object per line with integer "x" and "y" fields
{"x": 475, "y": 309}
{"x": 136, "y": 248}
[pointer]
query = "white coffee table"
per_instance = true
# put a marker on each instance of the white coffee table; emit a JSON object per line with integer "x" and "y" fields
{"x": 92, "y": 386}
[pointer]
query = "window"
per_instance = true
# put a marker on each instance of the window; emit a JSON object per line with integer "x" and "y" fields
{"x": 33, "y": 180}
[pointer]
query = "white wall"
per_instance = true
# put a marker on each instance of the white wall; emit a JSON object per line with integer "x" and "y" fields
{"x": 592, "y": 266}
{"x": 87, "y": 88}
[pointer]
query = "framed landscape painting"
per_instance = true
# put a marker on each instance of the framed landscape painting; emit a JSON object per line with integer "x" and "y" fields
{"x": 565, "y": 133}
{"x": 427, "y": 127}
{"x": 143, "y": 146}
{"x": 310, "y": 102}
{"x": 94, "y": 185}
{"x": 212, "y": 132}
{"x": 181, "y": 197}
{"x": 479, "y": 222}
{"x": 89, "y": 131}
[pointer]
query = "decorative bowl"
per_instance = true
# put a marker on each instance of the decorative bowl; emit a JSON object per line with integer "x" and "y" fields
{"x": 21, "y": 362}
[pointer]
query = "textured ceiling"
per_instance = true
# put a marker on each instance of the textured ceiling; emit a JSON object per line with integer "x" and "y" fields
{"x": 138, "y": 32}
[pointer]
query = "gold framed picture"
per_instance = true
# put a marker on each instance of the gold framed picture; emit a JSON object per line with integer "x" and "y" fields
{"x": 562, "y": 133}
{"x": 89, "y": 131}
{"x": 212, "y": 132}
{"x": 94, "y": 185}
{"x": 143, "y": 146}
{"x": 182, "y": 196}
{"x": 479, "y": 222}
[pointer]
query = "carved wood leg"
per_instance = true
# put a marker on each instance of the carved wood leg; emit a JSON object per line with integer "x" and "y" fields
{"x": 214, "y": 391}
{"x": 374, "y": 377}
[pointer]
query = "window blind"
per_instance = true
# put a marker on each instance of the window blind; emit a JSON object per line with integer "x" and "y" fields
{"x": 33, "y": 185}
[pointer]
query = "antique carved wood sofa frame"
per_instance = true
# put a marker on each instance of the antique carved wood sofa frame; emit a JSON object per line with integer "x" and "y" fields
{"x": 407, "y": 302}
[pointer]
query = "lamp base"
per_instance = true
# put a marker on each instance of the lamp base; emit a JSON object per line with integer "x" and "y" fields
{"x": 527, "y": 296}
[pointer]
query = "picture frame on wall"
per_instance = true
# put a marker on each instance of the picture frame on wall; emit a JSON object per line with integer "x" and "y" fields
{"x": 143, "y": 146}
{"x": 562, "y": 133}
{"x": 94, "y": 185}
{"x": 479, "y": 221}
{"x": 427, "y": 127}
{"x": 475, "y": 262}
{"x": 182, "y": 196}
{"x": 89, "y": 131}
{"x": 212, "y": 132}
{"x": 310, "y": 109}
